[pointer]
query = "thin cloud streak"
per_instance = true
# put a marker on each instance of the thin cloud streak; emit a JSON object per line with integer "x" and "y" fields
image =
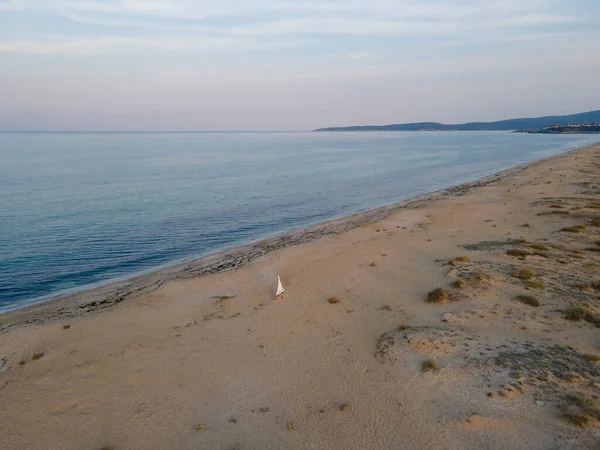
{"x": 289, "y": 64}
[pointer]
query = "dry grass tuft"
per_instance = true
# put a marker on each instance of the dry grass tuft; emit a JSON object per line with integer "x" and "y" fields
{"x": 438, "y": 295}
{"x": 403, "y": 327}
{"x": 594, "y": 359}
{"x": 523, "y": 274}
{"x": 535, "y": 285}
{"x": 459, "y": 260}
{"x": 344, "y": 407}
{"x": 428, "y": 365}
{"x": 480, "y": 277}
{"x": 539, "y": 247}
{"x": 577, "y": 313}
{"x": 459, "y": 284}
{"x": 528, "y": 300}
{"x": 595, "y": 223}
{"x": 36, "y": 356}
{"x": 292, "y": 426}
{"x": 334, "y": 300}
{"x": 66, "y": 327}
{"x": 580, "y": 409}
{"x": 200, "y": 427}
{"x": 22, "y": 362}
{"x": 373, "y": 264}
{"x": 573, "y": 229}
{"x": 517, "y": 252}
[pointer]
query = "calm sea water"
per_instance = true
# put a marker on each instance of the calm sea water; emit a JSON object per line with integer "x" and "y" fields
{"x": 78, "y": 209}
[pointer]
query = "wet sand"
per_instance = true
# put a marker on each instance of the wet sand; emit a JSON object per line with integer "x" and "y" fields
{"x": 199, "y": 356}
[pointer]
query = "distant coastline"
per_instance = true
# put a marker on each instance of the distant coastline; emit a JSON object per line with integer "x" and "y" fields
{"x": 536, "y": 123}
{"x": 569, "y": 129}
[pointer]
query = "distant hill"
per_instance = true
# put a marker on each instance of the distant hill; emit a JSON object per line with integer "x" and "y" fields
{"x": 581, "y": 129}
{"x": 507, "y": 125}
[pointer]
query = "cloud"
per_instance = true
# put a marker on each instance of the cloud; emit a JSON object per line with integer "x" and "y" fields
{"x": 186, "y": 25}
{"x": 122, "y": 44}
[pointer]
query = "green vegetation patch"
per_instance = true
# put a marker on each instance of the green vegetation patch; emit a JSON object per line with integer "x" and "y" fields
{"x": 428, "y": 365}
{"x": 459, "y": 284}
{"x": 524, "y": 274}
{"x": 528, "y": 300}
{"x": 459, "y": 260}
{"x": 580, "y": 409}
{"x": 438, "y": 295}
{"x": 539, "y": 247}
{"x": 573, "y": 229}
{"x": 535, "y": 285}
{"x": 594, "y": 359}
{"x": 577, "y": 313}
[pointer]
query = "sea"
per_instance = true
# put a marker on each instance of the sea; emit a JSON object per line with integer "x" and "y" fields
{"x": 81, "y": 209}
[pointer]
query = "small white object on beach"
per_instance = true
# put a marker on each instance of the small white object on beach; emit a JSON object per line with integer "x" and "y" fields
{"x": 540, "y": 403}
{"x": 280, "y": 289}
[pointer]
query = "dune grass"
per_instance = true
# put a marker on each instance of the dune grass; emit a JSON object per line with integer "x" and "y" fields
{"x": 517, "y": 252}
{"x": 523, "y": 274}
{"x": 480, "y": 277}
{"x": 580, "y": 409}
{"x": 438, "y": 295}
{"x": 528, "y": 300}
{"x": 539, "y": 247}
{"x": 334, "y": 300}
{"x": 535, "y": 284}
{"x": 224, "y": 297}
{"x": 594, "y": 359}
{"x": 459, "y": 284}
{"x": 574, "y": 229}
{"x": 428, "y": 365}
{"x": 577, "y": 313}
{"x": 37, "y": 356}
{"x": 459, "y": 260}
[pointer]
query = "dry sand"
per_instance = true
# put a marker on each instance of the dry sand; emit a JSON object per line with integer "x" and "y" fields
{"x": 161, "y": 362}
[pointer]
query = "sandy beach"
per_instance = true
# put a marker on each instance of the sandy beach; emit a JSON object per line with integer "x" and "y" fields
{"x": 467, "y": 318}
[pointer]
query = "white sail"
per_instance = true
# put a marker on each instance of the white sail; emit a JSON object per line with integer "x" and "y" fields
{"x": 280, "y": 289}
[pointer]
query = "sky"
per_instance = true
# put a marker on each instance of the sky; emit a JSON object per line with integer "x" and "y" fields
{"x": 292, "y": 64}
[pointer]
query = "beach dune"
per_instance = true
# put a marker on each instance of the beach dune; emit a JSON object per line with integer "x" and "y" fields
{"x": 200, "y": 356}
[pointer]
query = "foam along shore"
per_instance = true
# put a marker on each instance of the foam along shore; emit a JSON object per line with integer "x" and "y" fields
{"x": 199, "y": 356}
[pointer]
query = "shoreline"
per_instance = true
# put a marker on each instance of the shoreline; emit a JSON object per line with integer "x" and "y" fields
{"x": 465, "y": 318}
{"x": 112, "y": 292}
